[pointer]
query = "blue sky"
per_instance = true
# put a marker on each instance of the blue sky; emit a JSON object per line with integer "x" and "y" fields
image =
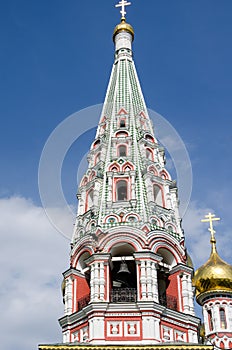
{"x": 55, "y": 59}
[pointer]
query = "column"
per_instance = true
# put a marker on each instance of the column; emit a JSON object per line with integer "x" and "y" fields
{"x": 149, "y": 281}
{"x": 102, "y": 282}
{"x": 143, "y": 280}
{"x": 155, "y": 293}
{"x": 68, "y": 295}
{"x": 185, "y": 293}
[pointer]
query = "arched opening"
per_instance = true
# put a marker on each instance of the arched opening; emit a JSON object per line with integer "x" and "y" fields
{"x": 158, "y": 198}
{"x": 122, "y": 151}
{"x": 149, "y": 154}
{"x": 123, "y": 274}
{"x": 89, "y": 200}
{"x": 97, "y": 158}
{"x": 166, "y": 282}
{"x": 121, "y": 190}
{"x": 83, "y": 293}
{"x": 96, "y": 143}
{"x": 149, "y": 138}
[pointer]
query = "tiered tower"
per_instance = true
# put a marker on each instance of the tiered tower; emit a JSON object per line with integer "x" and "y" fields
{"x": 129, "y": 280}
{"x": 213, "y": 282}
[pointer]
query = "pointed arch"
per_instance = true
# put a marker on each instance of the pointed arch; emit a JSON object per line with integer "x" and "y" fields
{"x": 128, "y": 166}
{"x": 114, "y": 167}
{"x": 122, "y": 111}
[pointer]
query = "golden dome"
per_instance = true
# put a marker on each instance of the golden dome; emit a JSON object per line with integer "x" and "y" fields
{"x": 214, "y": 276}
{"x": 123, "y": 27}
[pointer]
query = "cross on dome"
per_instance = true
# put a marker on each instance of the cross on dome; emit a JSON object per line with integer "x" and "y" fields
{"x": 123, "y": 4}
{"x": 211, "y": 218}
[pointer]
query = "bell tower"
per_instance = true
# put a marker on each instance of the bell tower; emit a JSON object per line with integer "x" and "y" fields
{"x": 129, "y": 281}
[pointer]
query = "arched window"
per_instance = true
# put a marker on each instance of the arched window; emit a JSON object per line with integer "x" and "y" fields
{"x": 122, "y": 151}
{"x": 223, "y": 318}
{"x": 121, "y": 190}
{"x": 149, "y": 138}
{"x": 96, "y": 143}
{"x": 89, "y": 202}
{"x": 210, "y": 320}
{"x": 157, "y": 195}
{"x": 97, "y": 158}
{"x": 149, "y": 154}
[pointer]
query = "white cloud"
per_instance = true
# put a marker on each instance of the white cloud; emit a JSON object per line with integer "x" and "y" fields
{"x": 33, "y": 257}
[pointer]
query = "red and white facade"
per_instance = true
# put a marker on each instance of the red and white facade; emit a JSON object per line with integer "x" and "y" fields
{"x": 129, "y": 280}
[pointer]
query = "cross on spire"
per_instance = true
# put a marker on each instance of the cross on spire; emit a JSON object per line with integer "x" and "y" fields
{"x": 211, "y": 218}
{"x": 123, "y": 4}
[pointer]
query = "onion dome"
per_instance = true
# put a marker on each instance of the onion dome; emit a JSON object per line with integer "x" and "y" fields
{"x": 123, "y": 27}
{"x": 214, "y": 276}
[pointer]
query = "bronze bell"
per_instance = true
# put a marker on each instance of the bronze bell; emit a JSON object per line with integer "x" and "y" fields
{"x": 123, "y": 268}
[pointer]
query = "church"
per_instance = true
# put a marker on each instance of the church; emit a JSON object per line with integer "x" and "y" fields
{"x": 131, "y": 283}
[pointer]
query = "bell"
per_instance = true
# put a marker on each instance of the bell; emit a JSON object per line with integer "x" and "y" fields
{"x": 123, "y": 268}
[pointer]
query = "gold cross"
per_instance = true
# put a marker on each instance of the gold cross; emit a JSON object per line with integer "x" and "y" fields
{"x": 211, "y": 218}
{"x": 123, "y": 4}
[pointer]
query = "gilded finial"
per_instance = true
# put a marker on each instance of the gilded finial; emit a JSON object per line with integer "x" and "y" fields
{"x": 123, "y": 4}
{"x": 211, "y": 218}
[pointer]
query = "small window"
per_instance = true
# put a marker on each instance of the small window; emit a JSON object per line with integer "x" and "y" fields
{"x": 111, "y": 220}
{"x": 223, "y": 318}
{"x": 122, "y": 123}
{"x": 122, "y": 151}
{"x": 121, "y": 190}
{"x": 149, "y": 154}
{"x": 210, "y": 320}
{"x": 157, "y": 195}
{"x": 149, "y": 138}
{"x": 89, "y": 202}
{"x": 132, "y": 218}
{"x": 96, "y": 143}
{"x": 97, "y": 158}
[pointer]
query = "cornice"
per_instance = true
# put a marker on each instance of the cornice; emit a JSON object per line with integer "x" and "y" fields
{"x": 166, "y": 346}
